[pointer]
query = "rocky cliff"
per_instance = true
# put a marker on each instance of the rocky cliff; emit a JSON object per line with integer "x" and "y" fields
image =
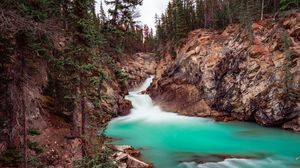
{"x": 243, "y": 73}
{"x": 138, "y": 67}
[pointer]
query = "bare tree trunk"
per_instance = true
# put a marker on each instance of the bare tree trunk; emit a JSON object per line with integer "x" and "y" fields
{"x": 205, "y": 14}
{"x": 23, "y": 109}
{"x": 115, "y": 15}
{"x": 262, "y": 9}
{"x": 19, "y": 110}
{"x": 76, "y": 116}
{"x": 82, "y": 105}
{"x": 228, "y": 12}
{"x": 20, "y": 76}
{"x": 64, "y": 14}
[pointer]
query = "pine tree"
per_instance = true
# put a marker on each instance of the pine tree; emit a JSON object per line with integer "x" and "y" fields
{"x": 199, "y": 13}
{"x": 180, "y": 20}
{"x": 289, "y": 4}
{"x": 123, "y": 11}
{"x": 102, "y": 15}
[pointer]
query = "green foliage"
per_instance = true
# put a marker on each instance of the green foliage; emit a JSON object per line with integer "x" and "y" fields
{"x": 183, "y": 16}
{"x": 289, "y": 4}
{"x": 12, "y": 157}
{"x": 75, "y": 72}
{"x": 41, "y": 46}
{"x": 123, "y": 12}
{"x": 246, "y": 18}
{"x": 37, "y": 10}
{"x": 63, "y": 94}
{"x": 121, "y": 31}
{"x": 101, "y": 159}
{"x": 172, "y": 52}
{"x": 120, "y": 75}
{"x": 36, "y": 162}
{"x": 90, "y": 35}
{"x": 35, "y": 147}
{"x": 34, "y": 131}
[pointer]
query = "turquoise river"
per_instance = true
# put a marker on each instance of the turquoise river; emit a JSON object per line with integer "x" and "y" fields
{"x": 172, "y": 141}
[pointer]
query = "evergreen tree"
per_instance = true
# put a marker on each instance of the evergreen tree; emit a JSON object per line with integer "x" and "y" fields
{"x": 289, "y": 4}
{"x": 183, "y": 16}
{"x": 102, "y": 15}
{"x": 122, "y": 11}
{"x": 180, "y": 20}
{"x": 199, "y": 13}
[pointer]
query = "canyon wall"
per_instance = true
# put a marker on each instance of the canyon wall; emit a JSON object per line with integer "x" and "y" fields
{"x": 243, "y": 73}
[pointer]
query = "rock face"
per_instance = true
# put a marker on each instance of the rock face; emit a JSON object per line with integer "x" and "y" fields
{"x": 225, "y": 75}
{"x": 138, "y": 67}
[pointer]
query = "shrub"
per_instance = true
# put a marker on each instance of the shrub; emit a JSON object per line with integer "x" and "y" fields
{"x": 35, "y": 147}
{"x": 101, "y": 159}
{"x": 12, "y": 157}
{"x": 34, "y": 131}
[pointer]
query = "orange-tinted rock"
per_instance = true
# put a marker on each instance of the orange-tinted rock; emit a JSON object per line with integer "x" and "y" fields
{"x": 138, "y": 68}
{"x": 226, "y": 76}
{"x": 293, "y": 125}
{"x": 256, "y": 27}
{"x": 296, "y": 33}
{"x": 257, "y": 50}
{"x": 124, "y": 107}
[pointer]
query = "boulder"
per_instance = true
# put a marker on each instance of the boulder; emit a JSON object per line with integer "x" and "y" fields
{"x": 122, "y": 148}
{"x": 121, "y": 156}
{"x": 124, "y": 107}
{"x": 133, "y": 162}
{"x": 122, "y": 165}
{"x": 125, "y": 156}
{"x": 293, "y": 125}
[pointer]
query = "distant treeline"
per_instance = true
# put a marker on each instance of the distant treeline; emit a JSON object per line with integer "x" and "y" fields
{"x": 183, "y": 16}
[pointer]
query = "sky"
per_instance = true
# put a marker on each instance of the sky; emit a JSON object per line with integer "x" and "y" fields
{"x": 147, "y": 10}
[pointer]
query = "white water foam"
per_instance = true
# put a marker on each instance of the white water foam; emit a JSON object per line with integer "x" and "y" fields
{"x": 235, "y": 163}
{"x": 144, "y": 109}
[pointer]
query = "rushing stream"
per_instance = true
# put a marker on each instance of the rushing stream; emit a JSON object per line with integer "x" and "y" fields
{"x": 172, "y": 141}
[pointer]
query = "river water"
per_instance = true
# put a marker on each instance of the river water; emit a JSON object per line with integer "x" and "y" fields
{"x": 172, "y": 141}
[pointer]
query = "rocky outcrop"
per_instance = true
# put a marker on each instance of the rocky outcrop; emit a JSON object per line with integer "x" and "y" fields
{"x": 127, "y": 157}
{"x": 138, "y": 67}
{"x": 228, "y": 76}
{"x": 293, "y": 125}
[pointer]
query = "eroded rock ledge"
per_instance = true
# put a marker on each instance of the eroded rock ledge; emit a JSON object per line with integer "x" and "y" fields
{"x": 127, "y": 157}
{"x": 227, "y": 76}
